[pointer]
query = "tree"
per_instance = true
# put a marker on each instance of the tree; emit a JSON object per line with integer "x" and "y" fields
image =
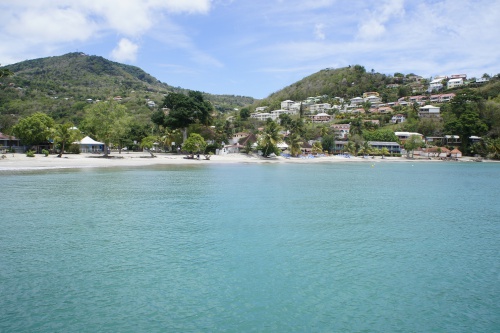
{"x": 185, "y": 110}
{"x": 148, "y": 143}
{"x": 245, "y": 113}
{"x": 384, "y": 151}
{"x": 195, "y": 144}
{"x": 105, "y": 120}
{"x": 35, "y": 129}
{"x": 294, "y": 142}
{"x": 350, "y": 147}
{"x": 63, "y": 134}
{"x": 270, "y": 139}
{"x": 317, "y": 147}
{"x": 328, "y": 143}
{"x": 412, "y": 143}
{"x": 365, "y": 149}
{"x": 5, "y": 72}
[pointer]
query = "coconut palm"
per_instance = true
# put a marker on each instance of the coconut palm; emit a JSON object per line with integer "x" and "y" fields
{"x": 270, "y": 138}
{"x": 63, "y": 134}
{"x": 294, "y": 142}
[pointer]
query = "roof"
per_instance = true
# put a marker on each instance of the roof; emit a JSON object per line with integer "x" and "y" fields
{"x": 7, "y": 137}
{"x": 89, "y": 141}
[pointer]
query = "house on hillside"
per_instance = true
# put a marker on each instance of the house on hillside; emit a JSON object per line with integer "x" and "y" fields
{"x": 453, "y": 83}
{"x": 285, "y": 105}
{"x": 403, "y": 136}
{"x": 429, "y": 111}
{"x": 321, "y": 118}
{"x": 342, "y": 130}
{"x": 398, "y": 119}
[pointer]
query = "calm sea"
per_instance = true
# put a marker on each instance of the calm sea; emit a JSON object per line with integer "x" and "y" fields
{"x": 353, "y": 247}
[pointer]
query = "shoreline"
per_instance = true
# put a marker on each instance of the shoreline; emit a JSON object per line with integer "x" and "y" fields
{"x": 20, "y": 162}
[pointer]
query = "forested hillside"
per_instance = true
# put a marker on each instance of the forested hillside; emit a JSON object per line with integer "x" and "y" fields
{"x": 61, "y": 87}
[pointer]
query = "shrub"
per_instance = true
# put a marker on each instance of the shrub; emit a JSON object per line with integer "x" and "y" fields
{"x": 30, "y": 153}
{"x": 74, "y": 149}
{"x": 45, "y": 152}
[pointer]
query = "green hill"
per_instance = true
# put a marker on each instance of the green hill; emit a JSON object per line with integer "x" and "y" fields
{"x": 60, "y": 86}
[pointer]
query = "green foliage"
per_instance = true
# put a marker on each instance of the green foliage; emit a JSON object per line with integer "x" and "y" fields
{"x": 73, "y": 149}
{"x": 194, "y": 144}
{"x": 382, "y": 134}
{"x": 35, "y": 129}
{"x": 45, "y": 152}
{"x": 30, "y": 153}
{"x": 328, "y": 143}
{"x": 270, "y": 138}
{"x": 184, "y": 110}
{"x": 106, "y": 121}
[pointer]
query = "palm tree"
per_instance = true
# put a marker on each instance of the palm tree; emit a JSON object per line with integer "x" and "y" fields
{"x": 365, "y": 148}
{"x": 270, "y": 138}
{"x": 295, "y": 143}
{"x": 63, "y": 134}
{"x": 350, "y": 147}
{"x": 384, "y": 151}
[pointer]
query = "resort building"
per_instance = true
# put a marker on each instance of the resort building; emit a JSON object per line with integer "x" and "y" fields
{"x": 285, "y": 105}
{"x": 453, "y": 83}
{"x": 321, "y": 118}
{"x": 392, "y": 147}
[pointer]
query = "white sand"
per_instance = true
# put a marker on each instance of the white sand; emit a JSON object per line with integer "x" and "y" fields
{"x": 133, "y": 159}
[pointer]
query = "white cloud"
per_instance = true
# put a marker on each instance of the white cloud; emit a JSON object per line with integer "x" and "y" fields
{"x": 319, "y": 31}
{"x": 125, "y": 51}
{"x": 33, "y": 27}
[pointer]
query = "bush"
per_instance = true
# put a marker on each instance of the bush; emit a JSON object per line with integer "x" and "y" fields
{"x": 30, "y": 153}
{"x": 45, "y": 152}
{"x": 74, "y": 149}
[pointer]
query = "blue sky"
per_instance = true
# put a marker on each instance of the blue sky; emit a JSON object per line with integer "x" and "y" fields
{"x": 256, "y": 47}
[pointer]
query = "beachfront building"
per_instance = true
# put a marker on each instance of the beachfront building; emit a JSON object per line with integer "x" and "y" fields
{"x": 7, "y": 142}
{"x": 452, "y": 140}
{"x": 392, "y": 147}
{"x": 89, "y": 145}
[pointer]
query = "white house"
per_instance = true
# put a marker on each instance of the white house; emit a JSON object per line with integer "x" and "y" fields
{"x": 429, "y": 111}
{"x": 436, "y": 84}
{"x": 89, "y": 145}
{"x": 315, "y": 108}
{"x": 356, "y": 100}
{"x": 403, "y": 136}
{"x": 285, "y": 105}
{"x": 452, "y": 83}
{"x": 397, "y": 119}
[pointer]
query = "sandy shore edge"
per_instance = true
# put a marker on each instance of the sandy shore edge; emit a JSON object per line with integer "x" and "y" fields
{"x": 135, "y": 159}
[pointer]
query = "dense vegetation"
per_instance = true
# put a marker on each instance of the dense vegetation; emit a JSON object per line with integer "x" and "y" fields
{"x": 62, "y": 86}
{"x": 136, "y": 110}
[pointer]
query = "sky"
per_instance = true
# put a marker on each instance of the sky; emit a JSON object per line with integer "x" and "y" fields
{"x": 257, "y": 47}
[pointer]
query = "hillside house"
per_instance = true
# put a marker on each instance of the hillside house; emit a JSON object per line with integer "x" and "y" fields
{"x": 285, "y": 105}
{"x": 453, "y": 83}
{"x": 342, "y": 130}
{"x": 398, "y": 119}
{"x": 403, "y": 136}
{"x": 356, "y": 101}
{"x": 317, "y": 108}
{"x": 429, "y": 111}
{"x": 321, "y": 118}
{"x": 436, "y": 84}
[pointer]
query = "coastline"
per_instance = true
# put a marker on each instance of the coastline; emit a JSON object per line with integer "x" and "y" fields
{"x": 19, "y": 162}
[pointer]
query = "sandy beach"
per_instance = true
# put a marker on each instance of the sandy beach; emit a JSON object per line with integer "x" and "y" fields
{"x": 137, "y": 159}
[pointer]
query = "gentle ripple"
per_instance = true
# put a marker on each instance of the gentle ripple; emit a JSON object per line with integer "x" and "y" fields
{"x": 252, "y": 248}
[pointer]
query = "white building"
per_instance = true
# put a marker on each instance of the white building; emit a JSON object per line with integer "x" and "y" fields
{"x": 429, "y": 111}
{"x": 285, "y": 105}
{"x": 315, "y": 108}
{"x": 452, "y": 83}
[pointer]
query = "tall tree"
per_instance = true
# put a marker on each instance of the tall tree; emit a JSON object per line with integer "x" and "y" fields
{"x": 104, "y": 120}
{"x": 270, "y": 138}
{"x": 185, "y": 110}
{"x": 64, "y": 134}
{"x": 35, "y": 129}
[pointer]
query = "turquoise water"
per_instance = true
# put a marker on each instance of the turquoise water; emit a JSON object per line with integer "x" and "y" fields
{"x": 252, "y": 248}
